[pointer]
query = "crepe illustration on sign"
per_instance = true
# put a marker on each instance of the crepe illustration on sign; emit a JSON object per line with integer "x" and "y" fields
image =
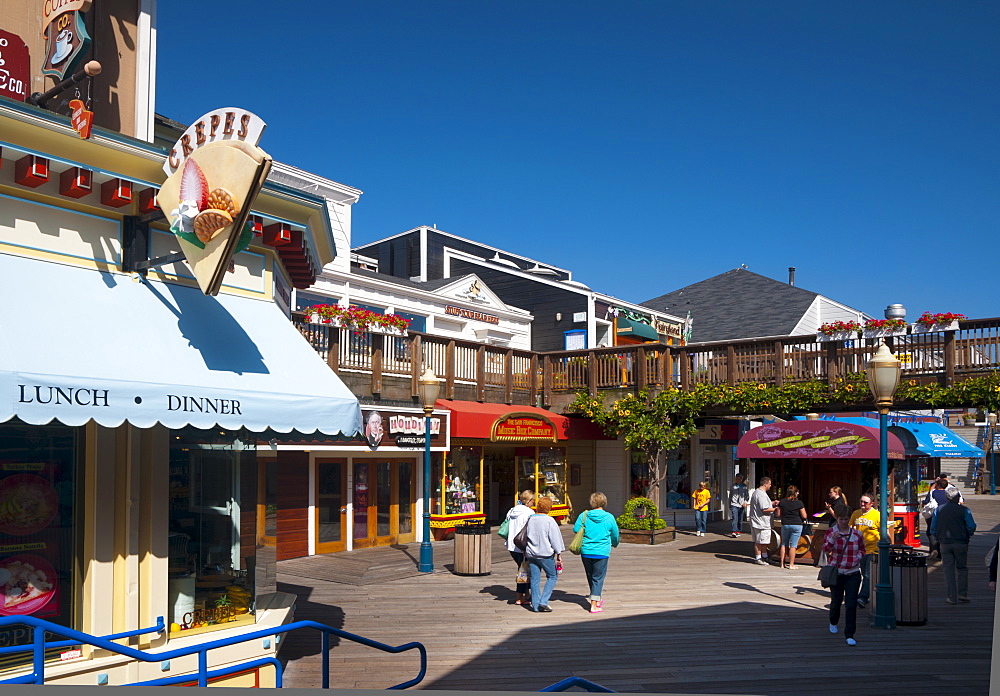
{"x": 27, "y": 583}
{"x": 28, "y": 504}
{"x": 215, "y": 176}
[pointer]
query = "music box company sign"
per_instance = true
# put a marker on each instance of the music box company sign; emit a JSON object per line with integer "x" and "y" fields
{"x": 215, "y": 171}
{"x": 518, "y": 427}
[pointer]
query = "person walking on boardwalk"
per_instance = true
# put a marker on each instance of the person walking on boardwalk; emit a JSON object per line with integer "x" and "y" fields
{"x": 600, "y": 534}
{"x": 699, "y": 500}
{"x": 517, "y": 516}
{"x": 953, "y": 526}
{"x": 844, "y": 548}
{"x": 761, "y": 509}
{"x": 866, "y": 520}
{"x": 545, "y": 544}
{"x": 792, "y": 513}
{"x": 739, "y": 501}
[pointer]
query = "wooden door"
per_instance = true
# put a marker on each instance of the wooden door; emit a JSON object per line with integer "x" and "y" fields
{"x": 330, "y": 505}
{"x": 382, "y": 497}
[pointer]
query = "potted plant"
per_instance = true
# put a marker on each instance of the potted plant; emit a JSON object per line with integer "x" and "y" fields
{"x": 838, "y": 331}
{"x": 969, "y": 419}
{"x": 884, "y": 328}
{"x": 634, "y": 523}
{"x": 943, "y": 321}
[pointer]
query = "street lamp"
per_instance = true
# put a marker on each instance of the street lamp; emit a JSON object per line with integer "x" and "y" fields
{"x": 991, "y": 419}
{"x": 883, "y": 377}
{"x": 429, "y": 386}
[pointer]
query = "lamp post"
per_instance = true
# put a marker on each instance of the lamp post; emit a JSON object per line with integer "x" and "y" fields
{"x": 991, "y": 419}
{"x": 429, "y": 386}
{"x": 883, "y": 377}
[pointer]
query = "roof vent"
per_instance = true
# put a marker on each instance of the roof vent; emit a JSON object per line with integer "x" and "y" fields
{"x": 791, "y": 275}
{"x": 504, "y": 262}
{"x": 538, "y": 270}
{"x": 576, "y": 284}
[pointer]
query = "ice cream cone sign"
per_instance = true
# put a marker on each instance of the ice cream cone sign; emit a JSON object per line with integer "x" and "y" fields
{"x": 215, "y": 171}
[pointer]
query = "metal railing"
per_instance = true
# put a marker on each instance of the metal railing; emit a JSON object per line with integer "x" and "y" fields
{"x": 500, "y": 374}
{"x": 72, "y": 637}
{"x": 571, "y": 682}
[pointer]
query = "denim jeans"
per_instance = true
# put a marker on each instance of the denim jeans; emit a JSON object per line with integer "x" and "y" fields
{"x": 701, "y": 519}
{"x": 846, "y": 592}
{"x": 522, "y": 587}
{"x": 954, "y": 558}
{"x": 596, "y": 569}
{"x": 866, "y": 578}
{"x": 790, "y": 535}
{"x": 540, "y": 595}
{"x": 737, "y": 511}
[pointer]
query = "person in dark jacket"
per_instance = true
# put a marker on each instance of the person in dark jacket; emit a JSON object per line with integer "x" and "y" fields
{"x": 953, "y": 526}
{"x": 993, "y": 567}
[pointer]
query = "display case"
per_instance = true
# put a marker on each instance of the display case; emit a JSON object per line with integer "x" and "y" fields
{"x": 544, "y": 472}
{"x": 459, "y": 491}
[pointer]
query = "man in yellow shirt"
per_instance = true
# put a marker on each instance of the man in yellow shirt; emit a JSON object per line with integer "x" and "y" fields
{"x": 700, "y": 500}
{"x": 867, "y": 520}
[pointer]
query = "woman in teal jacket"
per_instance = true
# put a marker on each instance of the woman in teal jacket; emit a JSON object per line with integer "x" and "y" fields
{"x": 600, "y": 534}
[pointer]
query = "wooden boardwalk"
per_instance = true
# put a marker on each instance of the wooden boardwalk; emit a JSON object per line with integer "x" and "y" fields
{"x": 691, "y": 616}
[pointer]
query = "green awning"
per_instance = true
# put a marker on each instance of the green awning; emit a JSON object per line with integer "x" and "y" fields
{"x": 631, "y": 327}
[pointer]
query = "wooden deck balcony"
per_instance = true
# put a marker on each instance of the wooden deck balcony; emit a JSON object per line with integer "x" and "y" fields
{"x": 388, "y": 367}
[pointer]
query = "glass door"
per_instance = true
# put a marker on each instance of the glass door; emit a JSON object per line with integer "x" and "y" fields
{"x": 331, "y": 505}
{"x": 383, "y": 499}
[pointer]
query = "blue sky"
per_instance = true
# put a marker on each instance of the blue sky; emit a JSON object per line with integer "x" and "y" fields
{"x": 642, "y": 145}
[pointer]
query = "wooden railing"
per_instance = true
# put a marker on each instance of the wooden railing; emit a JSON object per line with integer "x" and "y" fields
{"x": 491, "y": 373}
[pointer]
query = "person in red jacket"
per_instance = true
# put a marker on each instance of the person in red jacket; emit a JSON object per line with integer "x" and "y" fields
{"x": 844, "y": 547}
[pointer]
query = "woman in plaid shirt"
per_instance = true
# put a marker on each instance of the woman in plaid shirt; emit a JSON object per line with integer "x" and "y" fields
{"x": 844, "y": 547}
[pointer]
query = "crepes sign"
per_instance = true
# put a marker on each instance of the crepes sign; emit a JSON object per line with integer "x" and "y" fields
{"x": 815, "y": 440}
{"x": 215, "y": 171}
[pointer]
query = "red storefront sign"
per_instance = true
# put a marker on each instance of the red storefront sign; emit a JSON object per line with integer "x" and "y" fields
{"x": 519, "y": 427}
{"x": 15, "y": 67}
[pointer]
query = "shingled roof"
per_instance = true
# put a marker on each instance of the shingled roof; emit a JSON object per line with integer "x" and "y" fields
{"x": 737, "y": 304}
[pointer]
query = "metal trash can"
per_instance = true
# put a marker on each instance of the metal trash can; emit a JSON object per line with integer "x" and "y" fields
{"x": 908, "y": 577}
{"x": 472, "y": 549}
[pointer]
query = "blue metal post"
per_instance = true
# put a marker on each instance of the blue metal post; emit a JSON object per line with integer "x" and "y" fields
{"x": 426, "y": 552}
{"x": 993, "y": 458}
{"x": 885, "y": 601}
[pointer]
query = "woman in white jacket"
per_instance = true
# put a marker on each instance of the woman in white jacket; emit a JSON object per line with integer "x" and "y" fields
{"x": 516, "y": 518}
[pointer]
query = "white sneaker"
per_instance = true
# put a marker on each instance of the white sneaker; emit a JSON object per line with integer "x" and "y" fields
{"x": 851, "y": 641}
{"x": 833, "y": 628}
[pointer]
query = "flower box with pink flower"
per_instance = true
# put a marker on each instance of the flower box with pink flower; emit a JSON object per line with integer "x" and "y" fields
{"x": 883, "y": 328}
{"x": 933, "y": 323}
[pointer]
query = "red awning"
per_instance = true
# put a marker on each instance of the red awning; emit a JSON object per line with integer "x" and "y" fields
{"x": 478, "y": 420}
{"x": 815, "y": 439}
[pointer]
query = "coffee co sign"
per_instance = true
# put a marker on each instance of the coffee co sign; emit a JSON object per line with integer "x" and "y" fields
{"x": 15, "y": 67}
{"x": 66, "y": 37}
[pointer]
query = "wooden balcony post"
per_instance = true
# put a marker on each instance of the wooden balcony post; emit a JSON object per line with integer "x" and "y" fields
{"x": 533, "y": 379}
{"x": 592, "y": 373}
{"x": 640, "y": 368}
{"x": 481, "y": 373}
{"x": 332, "y": 346}
{"x": 416, "y": 364}
{"x": 682, "y": 355}
{"x": 546, "y": 381}
{"x": 663, "y": 368}
{"x": 779, "y": 364}
{"x": 832, "y": 363}
{"x": 449, "y": 370}
{"x": 950, "y": 357}
{"x": 508, "y": 376}
{"x": 731, "y": 365}
{"x": 378, "y": 344}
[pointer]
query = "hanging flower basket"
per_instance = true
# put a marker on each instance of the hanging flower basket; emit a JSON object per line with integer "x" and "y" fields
{"x": 836, "y": 336}
{"x": 932, "y": 323}
{"x": 358, "y": 319}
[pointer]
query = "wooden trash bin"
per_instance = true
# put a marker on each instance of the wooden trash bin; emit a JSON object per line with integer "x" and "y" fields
{"x": 908, "y": 577}
{"x": 472, "y": 550}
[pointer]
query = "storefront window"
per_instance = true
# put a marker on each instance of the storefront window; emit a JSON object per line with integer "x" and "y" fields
{"x": 552, "y": 474}
{"x": 39, "y": 525}
{"x": 638, "y": 473}
{"x": 212, "y": 552}
{"x": 462, "y": 479}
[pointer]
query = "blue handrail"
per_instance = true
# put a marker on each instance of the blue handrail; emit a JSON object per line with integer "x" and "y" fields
{"x": 158, "y": 628}
{"x": 75, "y": 637}
{"x": 570, "y": 682}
